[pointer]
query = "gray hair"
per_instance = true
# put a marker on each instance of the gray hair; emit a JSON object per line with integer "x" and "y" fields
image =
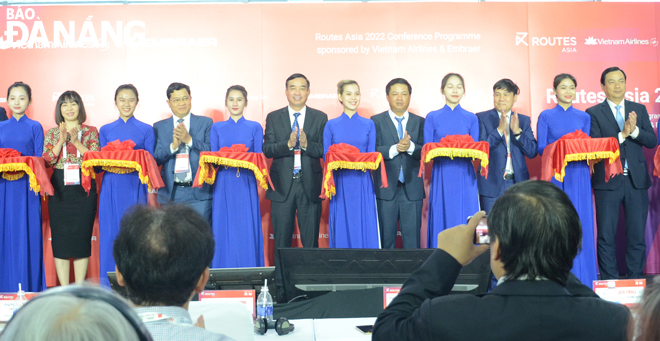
{"x": 66, "y": 317}
{"x": 648, "y": 312}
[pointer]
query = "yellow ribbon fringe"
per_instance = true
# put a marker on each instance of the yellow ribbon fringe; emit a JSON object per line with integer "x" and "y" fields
{"x": 332, "y": 166}
{"x": 605, "y": 155}
{"x": 20, "y": 167}
{"x": 204, "y": 177}
{"x": 458, "y": 152}
{"x": 115, "y": 166}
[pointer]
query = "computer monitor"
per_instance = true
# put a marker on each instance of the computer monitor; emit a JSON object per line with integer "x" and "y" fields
{"x": 242, "y": 278}
{"x": 312, "y": 272}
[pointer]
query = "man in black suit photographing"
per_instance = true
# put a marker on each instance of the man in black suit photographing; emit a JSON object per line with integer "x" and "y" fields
{"x": 399, "y": 138}
{"x": 535, "y": 234}
{"x": 294, "y": 140}
{"x": 629, "y": 123}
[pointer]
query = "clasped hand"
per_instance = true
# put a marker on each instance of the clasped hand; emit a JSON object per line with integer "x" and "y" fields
{"x": 630, "y": 124}
{"x": 294, "y": 137}
{"x": 403, "y": 144}
{"x": 65, "y": 136}
{"x": 514, "y": 124}
{"x": 180, "y": 135}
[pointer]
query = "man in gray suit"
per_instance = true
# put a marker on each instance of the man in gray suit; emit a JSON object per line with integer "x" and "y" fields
{"x": 399, "y": 138}
{"x": 179, "y": 140}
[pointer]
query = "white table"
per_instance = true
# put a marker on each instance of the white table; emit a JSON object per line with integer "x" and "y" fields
{"x": 323, "y": 330}
{"x": 342, "y": 329}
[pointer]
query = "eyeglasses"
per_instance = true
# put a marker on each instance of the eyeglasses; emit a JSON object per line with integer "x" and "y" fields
{"x": 177, "y": 100}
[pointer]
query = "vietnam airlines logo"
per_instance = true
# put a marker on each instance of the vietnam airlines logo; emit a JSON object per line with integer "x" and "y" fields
{"x": 520, "y": 38}
{"x": 591, "y": 41}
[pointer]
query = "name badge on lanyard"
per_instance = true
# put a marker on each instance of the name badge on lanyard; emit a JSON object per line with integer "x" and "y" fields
{"x": 181, "y": 164}
{"x": 72, "y": 170}
{"x": 71, "y": 174}
{"x": 297, "y": 161}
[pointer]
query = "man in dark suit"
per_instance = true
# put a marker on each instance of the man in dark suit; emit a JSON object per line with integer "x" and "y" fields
{"x": 3, "y": 114}
{"x": 535, "y": 235}
{"x": 294, "y": 140}
{"x": 179, "y": 140}
{"x": 629, "y": 123}
{"x": 399, "y": 138}
{"x": 510, "y": 138}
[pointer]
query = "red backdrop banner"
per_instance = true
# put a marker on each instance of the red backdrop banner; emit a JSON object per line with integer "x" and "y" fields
{"x": 94, "y": 49}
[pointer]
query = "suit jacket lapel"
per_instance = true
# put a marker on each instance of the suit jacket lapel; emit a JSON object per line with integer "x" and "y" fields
{"x": 170, "y": 126}
{"x": 609, "y": 116}
{"x": 495, "y": 118}
{"x": 309, "y": 117}
{"x": 193, "y": 126}
{"x": 394, "y": 130}
{"x": 286, "y": 120}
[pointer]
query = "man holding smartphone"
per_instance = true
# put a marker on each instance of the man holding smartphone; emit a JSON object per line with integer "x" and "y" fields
{"x": 535, "y": 234}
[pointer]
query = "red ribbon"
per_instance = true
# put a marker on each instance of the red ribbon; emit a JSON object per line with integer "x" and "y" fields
{"x": 117, "y": 145}
{"x": 577, "y": 146}
{"x": 8, "y": 152}
{"x": 457, "y": 146}
{"x": 39, "y": 180}
{"x": 121, "y": 155}
{"x": 345, "y": 156}
{"x": 236, "y": 148}
{"x": 234, "y": 156}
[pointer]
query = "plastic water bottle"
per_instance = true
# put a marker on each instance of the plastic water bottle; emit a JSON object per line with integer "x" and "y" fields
{"x": 265, "y": 303}
{"x": 20, "y": 299}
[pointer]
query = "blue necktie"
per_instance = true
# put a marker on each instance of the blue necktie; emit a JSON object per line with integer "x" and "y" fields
{"x": 399, "y": 129}
{"x": 297, "y": 147}
{"x": 621, "y": 122}
{"x": 181, "y": 177}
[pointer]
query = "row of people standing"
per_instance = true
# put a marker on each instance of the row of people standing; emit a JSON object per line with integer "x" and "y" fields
{"x": 296, "y": 138}
{"x": 72, "y": 210}
{"x": 456, "y": 192}
{"x": 511, "y": 140}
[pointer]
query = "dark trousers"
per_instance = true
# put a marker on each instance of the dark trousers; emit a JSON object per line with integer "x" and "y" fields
{"x": 185, "y": 195}
{"x": 283, "y": 216}
{"x": 399, "y": 212}
{"x": 487, "y": 202}
{"x": 635, "y": 207}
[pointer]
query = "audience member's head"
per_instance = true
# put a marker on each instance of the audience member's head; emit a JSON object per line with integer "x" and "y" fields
{"x": 163, "y": 254}
{"x": 76, "y": 313}
{"x": 535, "y": 233}
{"x": 648, "y": 318}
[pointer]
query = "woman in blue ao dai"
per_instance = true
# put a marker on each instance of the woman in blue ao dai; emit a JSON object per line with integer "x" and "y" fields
{"x": 552, "y": 125}
{"x": 21, "y": 244}
{"x": 121, "y": 191}
{"x": 353, "y": 221}
{"x": 453, "y": 195}
{"x": 236, "y": 213}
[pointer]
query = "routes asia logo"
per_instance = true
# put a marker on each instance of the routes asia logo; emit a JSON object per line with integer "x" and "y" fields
{"x": 24, "y": 29}
{"x": 567, "y": 43}
{"x": 630, "y": 41}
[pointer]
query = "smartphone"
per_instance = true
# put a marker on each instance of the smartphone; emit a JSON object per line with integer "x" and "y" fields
{"x": 481, "y": 233}
{"x": 366, "y": 329}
